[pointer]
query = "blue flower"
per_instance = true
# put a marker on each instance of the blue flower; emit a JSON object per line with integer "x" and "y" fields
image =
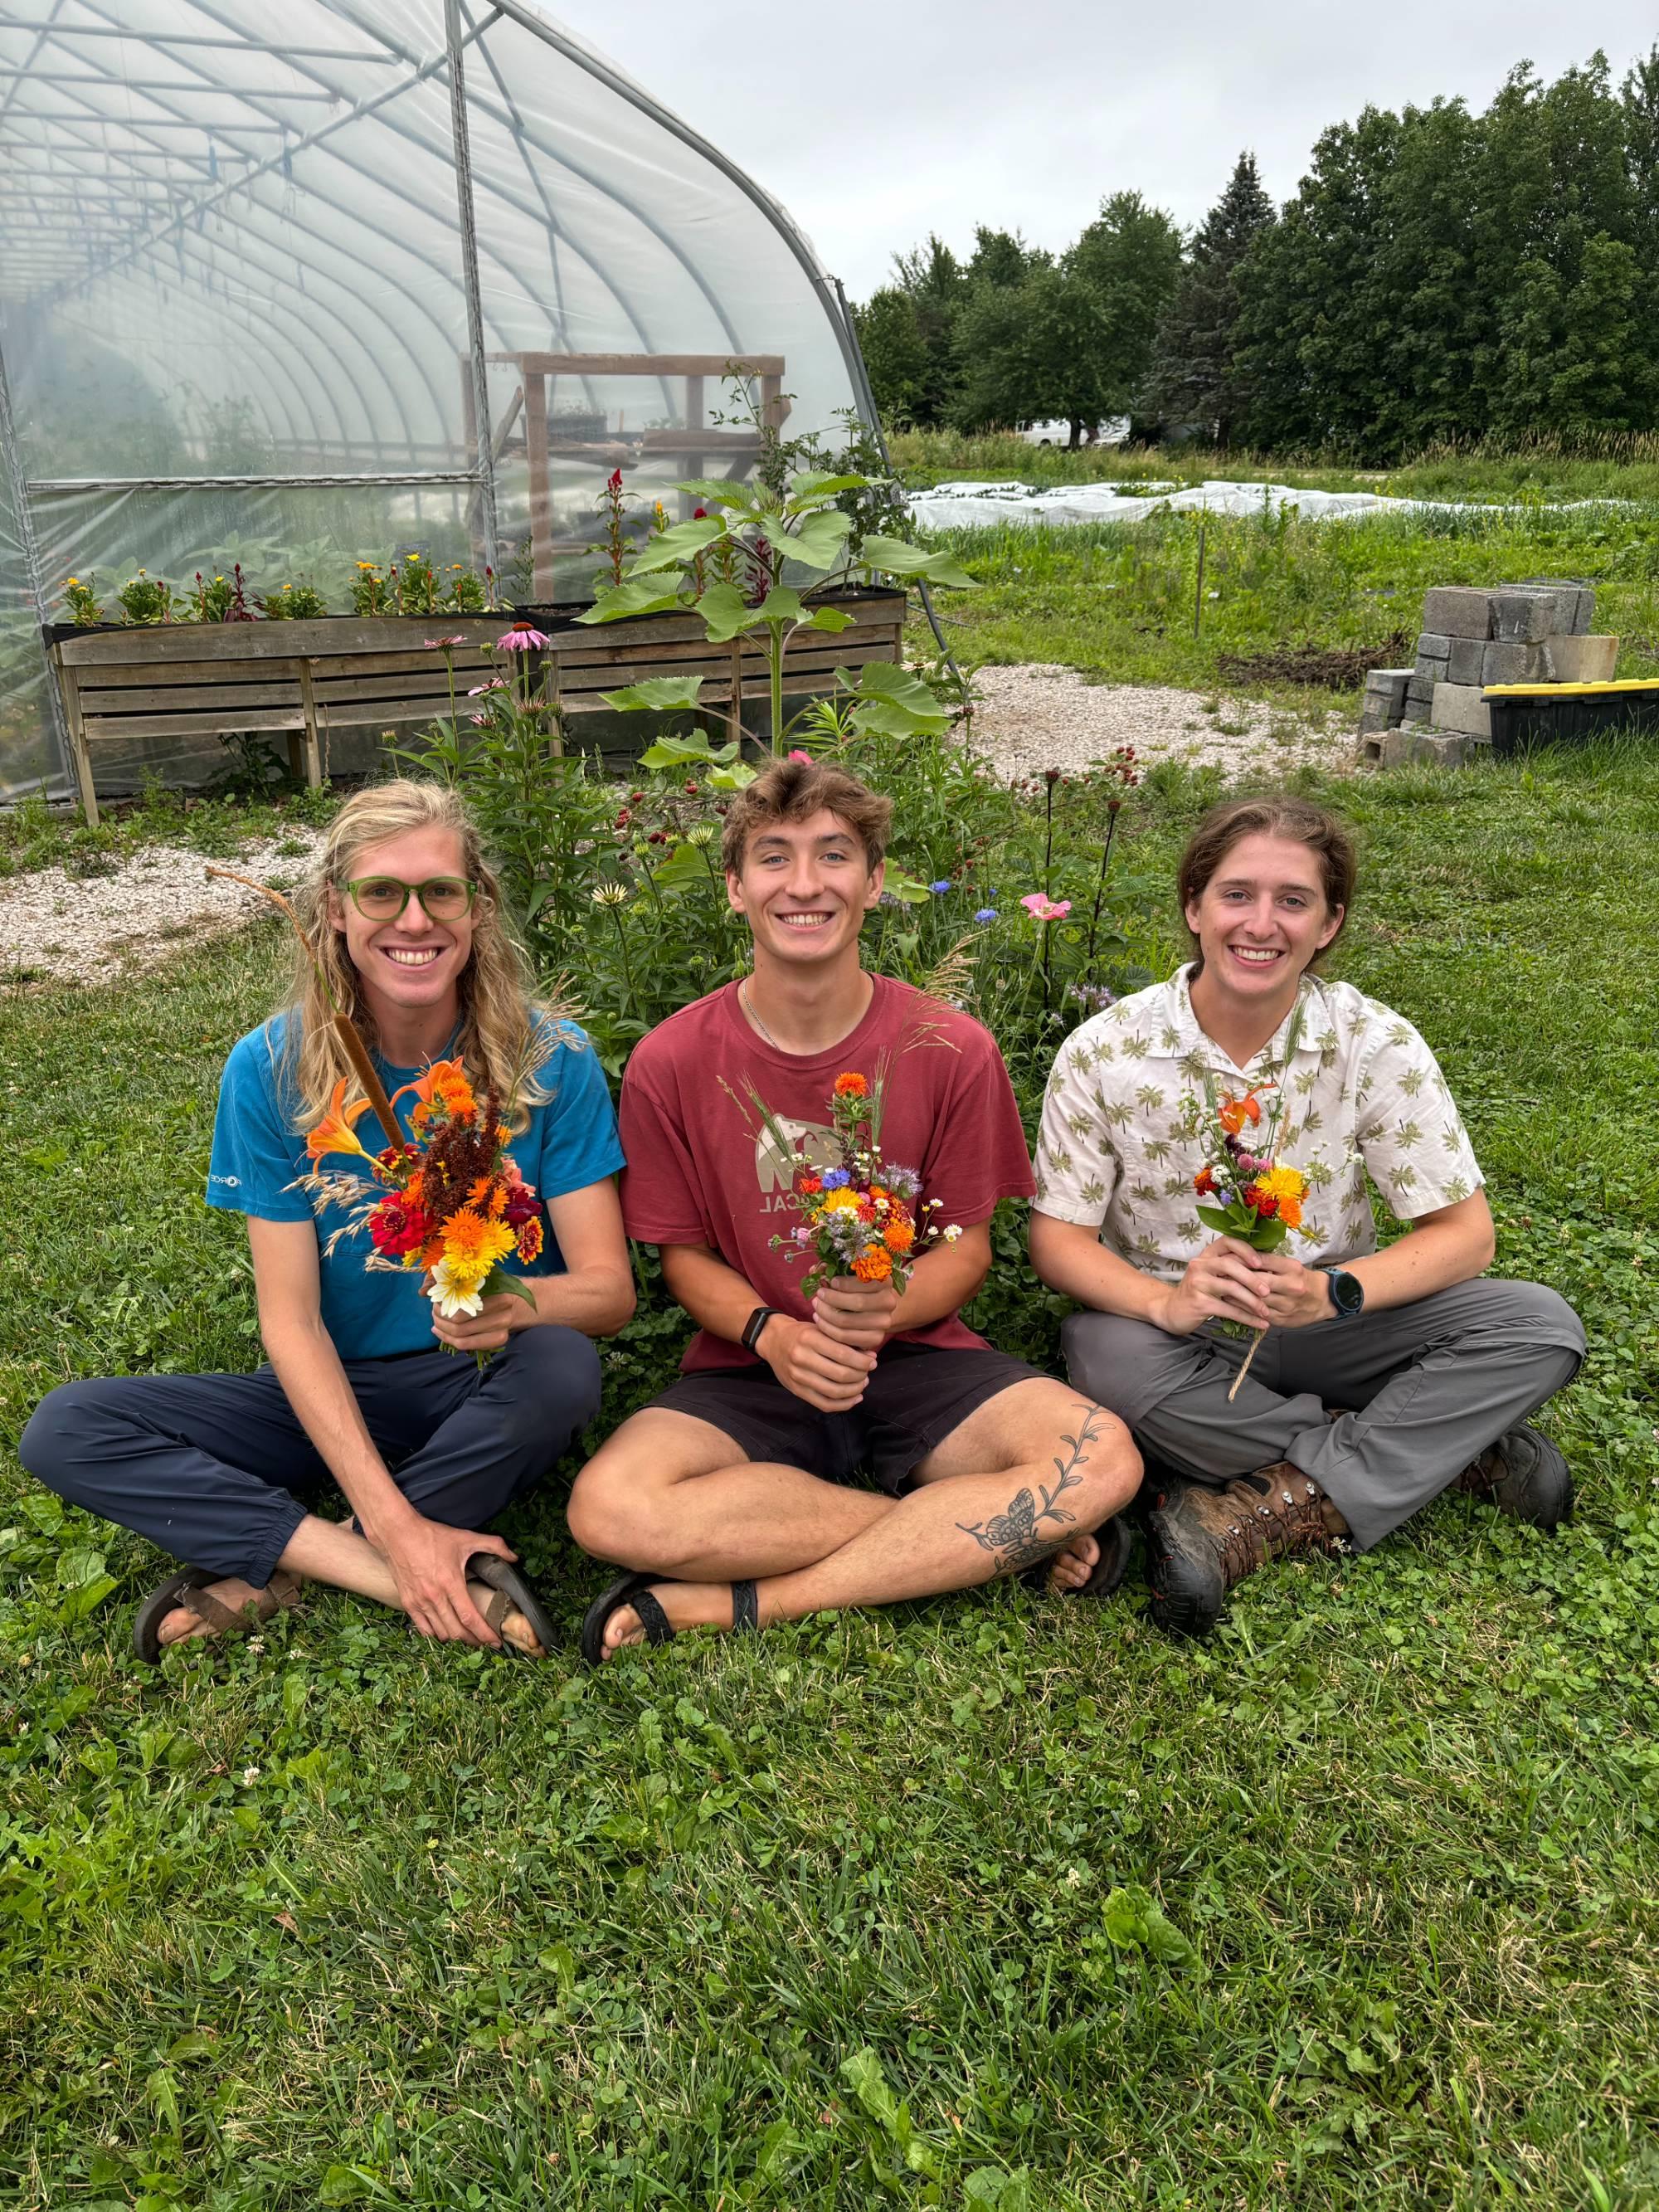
{"x": 937, "y": 888}
{"x": 835, "y": 1178}
{"x": 986, "y": 914}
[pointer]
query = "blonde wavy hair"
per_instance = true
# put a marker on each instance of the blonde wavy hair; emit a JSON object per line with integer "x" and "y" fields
{"x": 500, "y": 1014}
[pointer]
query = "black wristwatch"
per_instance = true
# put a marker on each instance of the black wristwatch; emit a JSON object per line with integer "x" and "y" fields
{"x": 755, "y": 1323}
{"x": 1347, "y": 1292}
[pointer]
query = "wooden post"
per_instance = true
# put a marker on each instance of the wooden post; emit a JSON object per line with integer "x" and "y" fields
{"x": 306, "y": 742}
{"x": 694, "y": 421}
{"x": 550, "y": 693}
{"x": 77, "y": 731}
{"x": 773, "y": 406}
{"x": 735, "y": 718}
{"x": 535, "y": 443}
{"x": 1198, "y": 595}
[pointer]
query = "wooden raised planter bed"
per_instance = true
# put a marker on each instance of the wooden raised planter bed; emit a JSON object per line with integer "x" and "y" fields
{"x": 307, "y": 679}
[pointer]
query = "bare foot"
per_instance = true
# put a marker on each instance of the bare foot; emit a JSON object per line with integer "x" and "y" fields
{"x": 688, "y": 1604}
{"x": 182, "y": 1624}
{"x": 1073, "y": 1563}
{"x": 514, "y": 1627}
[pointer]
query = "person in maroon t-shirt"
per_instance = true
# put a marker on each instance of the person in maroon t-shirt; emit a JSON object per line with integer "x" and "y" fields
{"x": 730, "y": 1497}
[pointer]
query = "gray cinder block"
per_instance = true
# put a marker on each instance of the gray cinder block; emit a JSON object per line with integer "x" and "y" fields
{"x": 1460, "y": 707}
{"x": 1528, "y": 615}
{"x": 1433, "y": 645}
{"x": 1584, "y": 659}
{"x": 1385, "y": 695}
{"x": 1582, "y": 615}
{"x": 1467, "y": 660}
{"x": 1418, "y": 700}
{"x": 1457, "y": 610}
{"x": 1508, "y": 662}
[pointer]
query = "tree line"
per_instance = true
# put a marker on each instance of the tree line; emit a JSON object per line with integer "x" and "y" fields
{"x": 1438, "y": 276}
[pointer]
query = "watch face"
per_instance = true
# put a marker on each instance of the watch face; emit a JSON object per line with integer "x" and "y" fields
{"x": 1347, "y": 1291}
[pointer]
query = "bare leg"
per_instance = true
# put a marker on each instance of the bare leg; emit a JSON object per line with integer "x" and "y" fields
{"x": 1058, "y": 1467}
{"x": 329, "y": 1551}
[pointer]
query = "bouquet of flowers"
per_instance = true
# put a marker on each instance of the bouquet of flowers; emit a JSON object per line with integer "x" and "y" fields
{"x": 860, "y": 1216}
{"x": 1252, "y": 1198}
{"x": 452, "y": 1202}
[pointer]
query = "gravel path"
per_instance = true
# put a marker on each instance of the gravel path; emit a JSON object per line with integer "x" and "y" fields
{"x": 1039, "y": 716}
{"x": 95, "y": 929}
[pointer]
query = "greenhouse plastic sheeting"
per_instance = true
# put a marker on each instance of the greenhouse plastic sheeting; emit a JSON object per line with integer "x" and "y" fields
{"x": 245, "y": 286}
{"x": 967, "y": 503}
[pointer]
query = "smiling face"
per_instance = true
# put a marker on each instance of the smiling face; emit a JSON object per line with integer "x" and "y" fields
{"x": 412, "y": 965}
{"x": 1261, "y": 917}
{"x": 803, "y": 888}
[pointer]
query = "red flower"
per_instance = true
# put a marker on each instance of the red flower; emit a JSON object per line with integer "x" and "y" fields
{"x": 614, "y": 483}
{"x": 851, "y": 1086}
{"x": 1204, "y": 1179}
{"x": 808, "y": 1186}
{"x": 1261, "y": 1203}
{"x": 397, "y": 1227}
{"x": 530, "y": 1242}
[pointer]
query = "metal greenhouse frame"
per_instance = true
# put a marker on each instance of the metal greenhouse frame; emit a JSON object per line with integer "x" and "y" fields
{"x": 417, "y": 273}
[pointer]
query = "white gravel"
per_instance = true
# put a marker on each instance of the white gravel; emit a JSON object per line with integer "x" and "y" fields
{"x": 1038, "y": 716}
{"x": 96, "y": 929}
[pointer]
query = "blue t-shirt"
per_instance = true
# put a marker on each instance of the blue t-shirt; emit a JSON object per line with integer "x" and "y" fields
{"x": 258, "y": 1155}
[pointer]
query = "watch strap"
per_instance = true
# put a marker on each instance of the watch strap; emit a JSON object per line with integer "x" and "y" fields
{"x": 755, "y": 1324}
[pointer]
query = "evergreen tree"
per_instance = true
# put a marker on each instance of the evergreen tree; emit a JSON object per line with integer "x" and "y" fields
{"x": 931, "y": 278}
{"x": 1195, "y": 376}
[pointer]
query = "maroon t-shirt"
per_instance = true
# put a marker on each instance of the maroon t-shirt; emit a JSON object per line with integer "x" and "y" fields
{"x": 700, "y": 1172}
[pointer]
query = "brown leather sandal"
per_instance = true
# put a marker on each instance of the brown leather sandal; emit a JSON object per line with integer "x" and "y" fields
{"x": 188, "y": 1589}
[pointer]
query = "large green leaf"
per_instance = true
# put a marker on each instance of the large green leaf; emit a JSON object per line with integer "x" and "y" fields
{"x": 832, "y": 619}
{"x": 892, "y": 703}
{"x": 905, "y": 887}
{"x": 675, "y": 547}
{"x": 735, "y": 778}
{"x": 662, "y": 694}
{"x": 780, "y": 604}
{"x": 692, "y": 751}
{"x": 726, "y": 613}
{"x": 820, "y": 542}
{"x": 893, "y": 557}
{"x": 640, "y": 595}
{"x": 719, "y": 491}
{"x": 817, "y": 483}
{"x": 684, "y": 868}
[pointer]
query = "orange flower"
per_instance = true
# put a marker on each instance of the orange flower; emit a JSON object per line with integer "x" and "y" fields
{"x": 1234, "y": 1112}
{"x": 874, "y": 1265}
{"x": 333, "y": 1134}
{"x": 444, "y": 1084}
{"x": 808, "y": 1186}
{"x": 851, "y": 1086}
{"x": 1204, "y": 1181}
{"x": 1290, "y": 1212}
{"x": 898, "y": 1236}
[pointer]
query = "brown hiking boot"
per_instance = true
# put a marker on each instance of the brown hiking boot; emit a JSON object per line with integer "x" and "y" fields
{"x": 1202, "y": 1541}
{"x": 1522, "y": 1474}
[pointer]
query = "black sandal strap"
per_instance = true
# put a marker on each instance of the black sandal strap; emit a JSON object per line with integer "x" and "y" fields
{"x": 745, "y": 1609}
{"x": 652, "y": 1620}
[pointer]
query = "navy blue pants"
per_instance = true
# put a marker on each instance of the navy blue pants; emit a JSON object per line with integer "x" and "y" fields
{"x": 212, "y": 1467}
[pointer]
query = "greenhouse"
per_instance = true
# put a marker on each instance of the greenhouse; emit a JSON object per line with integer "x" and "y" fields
{"x": 399, "y": 285}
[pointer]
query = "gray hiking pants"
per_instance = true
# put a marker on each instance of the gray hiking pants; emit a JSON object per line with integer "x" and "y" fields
{"x": 1426, "y": 1387}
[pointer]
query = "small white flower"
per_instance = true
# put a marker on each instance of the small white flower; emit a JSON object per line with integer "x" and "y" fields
{"x": 250, "y": 1776}
{"x": 952, "y": 1234}
{"x": 452, "y": 1293}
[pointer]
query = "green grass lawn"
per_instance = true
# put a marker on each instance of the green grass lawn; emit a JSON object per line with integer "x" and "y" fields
{"x": 989, "y": 1902}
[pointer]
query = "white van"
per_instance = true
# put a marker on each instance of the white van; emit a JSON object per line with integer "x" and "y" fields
{"x": 1058, "y": 432}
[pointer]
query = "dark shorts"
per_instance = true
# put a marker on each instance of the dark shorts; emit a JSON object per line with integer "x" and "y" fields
{"x": 917, "y": 1396}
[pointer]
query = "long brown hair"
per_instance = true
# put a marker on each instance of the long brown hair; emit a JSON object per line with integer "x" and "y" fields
{"x": 1324, "y": 833}
{"x": 499, "y": 1015}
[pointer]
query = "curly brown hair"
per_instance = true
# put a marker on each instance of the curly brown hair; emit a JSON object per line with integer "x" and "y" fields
{"x": 795, "y": 790}
{"x": 1325, "y": 835}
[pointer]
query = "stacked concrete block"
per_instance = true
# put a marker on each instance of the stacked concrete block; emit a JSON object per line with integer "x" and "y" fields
{"x": 1385, "y": 696}
{"x": 1533, "y": 633}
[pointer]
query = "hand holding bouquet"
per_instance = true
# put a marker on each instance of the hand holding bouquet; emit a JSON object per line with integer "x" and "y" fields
{"x": 859, "y": 1216}
{"x": 1254, "y": 1199}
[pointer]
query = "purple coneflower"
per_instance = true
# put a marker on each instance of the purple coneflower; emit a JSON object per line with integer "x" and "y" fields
{"x": 521, "y": 639}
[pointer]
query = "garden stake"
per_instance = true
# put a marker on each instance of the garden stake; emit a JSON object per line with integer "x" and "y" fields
{"x": 1114, "y": 808}
{"x": 1198, "y": 595}
{"x": 356, "y": 1050}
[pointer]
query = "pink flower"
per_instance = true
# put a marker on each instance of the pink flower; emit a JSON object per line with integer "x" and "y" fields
{"x": 479, "y": 721}
{"x": 799, "y": 756}
{"x": 521, "y": 639}
{"x": 496, "y": 683}
{"x": 1042, "y": 907}
{"x": 438, "y": 644}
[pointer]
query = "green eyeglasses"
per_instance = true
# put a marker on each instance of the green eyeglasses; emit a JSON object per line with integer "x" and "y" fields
{"x": 383, "y": 898}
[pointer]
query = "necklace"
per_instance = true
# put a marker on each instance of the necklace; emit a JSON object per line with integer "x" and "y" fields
{"x": 748, "y": 1005}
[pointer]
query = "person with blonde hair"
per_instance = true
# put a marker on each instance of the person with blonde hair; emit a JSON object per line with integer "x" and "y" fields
{"x": 363, "y": 1383}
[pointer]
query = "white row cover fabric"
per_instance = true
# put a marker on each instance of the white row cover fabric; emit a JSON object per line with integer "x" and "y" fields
{"x": 966, "y": 503}
{"x": 233, "y": 246}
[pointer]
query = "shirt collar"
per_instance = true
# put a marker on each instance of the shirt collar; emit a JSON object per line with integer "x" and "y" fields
{"x": 1175, "y": 1013}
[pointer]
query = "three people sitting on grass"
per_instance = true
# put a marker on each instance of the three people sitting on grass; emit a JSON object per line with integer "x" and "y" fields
{"x": 1377, "y": 1379}
{"x": 361, "y": 1383}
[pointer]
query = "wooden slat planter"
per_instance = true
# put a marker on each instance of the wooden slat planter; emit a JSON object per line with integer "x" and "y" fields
{"x": 307, "y": 679}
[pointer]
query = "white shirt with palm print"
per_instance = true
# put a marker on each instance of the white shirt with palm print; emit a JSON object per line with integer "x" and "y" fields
{"x": 1119, "y": 1144}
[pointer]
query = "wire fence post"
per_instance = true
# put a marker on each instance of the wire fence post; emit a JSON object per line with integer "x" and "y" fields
{"x": 475, "y": 332}
{"x": 1198, "y": 595}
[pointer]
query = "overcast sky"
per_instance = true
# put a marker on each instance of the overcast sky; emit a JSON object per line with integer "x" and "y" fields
{"x": 876, "y": 121}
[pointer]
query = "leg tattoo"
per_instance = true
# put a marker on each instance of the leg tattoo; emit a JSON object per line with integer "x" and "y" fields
{"x": 1013, "y": 1535}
